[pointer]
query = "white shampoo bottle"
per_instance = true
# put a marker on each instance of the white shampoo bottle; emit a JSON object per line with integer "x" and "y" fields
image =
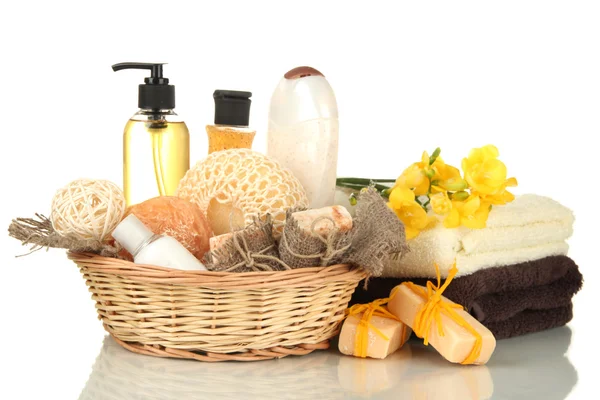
{"x": 303, "y": 132}
{"x": 148, "y": 248}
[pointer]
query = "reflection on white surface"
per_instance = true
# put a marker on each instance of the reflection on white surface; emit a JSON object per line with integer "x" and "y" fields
{"x": 366, "y": 377}
{"x": 534, "y": 366}
{"x": 432, "y": 377}
{"x": 119, "y": 374}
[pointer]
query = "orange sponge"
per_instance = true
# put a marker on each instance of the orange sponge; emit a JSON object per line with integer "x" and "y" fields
{"x": 178, "y": 218}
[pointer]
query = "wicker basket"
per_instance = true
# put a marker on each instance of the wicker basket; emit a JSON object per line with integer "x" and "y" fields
{"x": 218, "y": 316}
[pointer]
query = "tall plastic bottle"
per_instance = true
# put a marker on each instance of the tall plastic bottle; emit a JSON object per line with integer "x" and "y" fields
{"x": 303, "y": 132}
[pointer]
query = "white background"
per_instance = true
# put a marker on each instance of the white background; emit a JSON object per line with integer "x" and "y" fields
{"x": 523, "y": 75}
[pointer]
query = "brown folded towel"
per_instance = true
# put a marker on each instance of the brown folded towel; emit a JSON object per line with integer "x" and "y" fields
{"x": 531, "y": 321}
{"x": 510, "y": 301}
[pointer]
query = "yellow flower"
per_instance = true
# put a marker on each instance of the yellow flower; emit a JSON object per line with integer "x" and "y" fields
{"x": 401, "y": 196}
{"x": 415, "y": 176}
{"x": 440, "y": 203}
{"x": 485, "y": 174}
{"x": 463, "y": 201}
{"x": 413, "y": 216}
{"x": 439, "y": 175}
{"x": 446, "y": 178}
{"x": 471, "y": 213}
{"x": 502, "y": 197}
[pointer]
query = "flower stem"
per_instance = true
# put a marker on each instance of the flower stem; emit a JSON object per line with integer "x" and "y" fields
{"x": 359, "y": 183}
{"x": 362, "y": 181}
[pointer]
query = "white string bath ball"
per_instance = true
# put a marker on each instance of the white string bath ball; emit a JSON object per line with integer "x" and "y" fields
{"x": 87, "y": 209}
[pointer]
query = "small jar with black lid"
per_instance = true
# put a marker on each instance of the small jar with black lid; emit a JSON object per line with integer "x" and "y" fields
{"x": 232, "y": 116}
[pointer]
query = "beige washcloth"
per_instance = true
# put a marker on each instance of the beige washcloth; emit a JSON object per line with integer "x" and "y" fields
{"x": 529, "y": 228}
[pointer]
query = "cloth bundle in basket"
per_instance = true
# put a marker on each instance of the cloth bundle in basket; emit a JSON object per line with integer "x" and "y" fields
{"x": 375, "y": 237}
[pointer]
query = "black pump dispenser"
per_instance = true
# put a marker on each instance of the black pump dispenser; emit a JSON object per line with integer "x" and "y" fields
{"x": 232, "y": 107}
{"x": 155, "y": 93}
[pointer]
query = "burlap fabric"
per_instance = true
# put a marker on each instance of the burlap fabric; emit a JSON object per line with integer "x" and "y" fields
{"x": 39, "y": 234}
{"x": 378, "y": 235}
{"x": 250, "y": 249}
{"x": 299, "y": 248}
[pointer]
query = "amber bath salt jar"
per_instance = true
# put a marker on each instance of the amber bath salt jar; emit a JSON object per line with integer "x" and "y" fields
{"x": 232, "y": 116}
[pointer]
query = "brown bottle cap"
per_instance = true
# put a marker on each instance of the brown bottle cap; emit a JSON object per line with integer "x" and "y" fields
{"x": 301, "y": 72}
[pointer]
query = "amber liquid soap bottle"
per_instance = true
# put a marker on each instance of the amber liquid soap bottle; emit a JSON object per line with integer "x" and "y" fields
{"x": 232, "y": 115}
{"x": 156, "y": 141}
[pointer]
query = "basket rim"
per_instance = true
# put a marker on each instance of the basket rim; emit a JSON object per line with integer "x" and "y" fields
{"x": 218, "y": 280}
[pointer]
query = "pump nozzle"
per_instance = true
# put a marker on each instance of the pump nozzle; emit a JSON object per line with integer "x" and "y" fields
{"x": 156, "y": 93}
{"x": 156, "y": 71}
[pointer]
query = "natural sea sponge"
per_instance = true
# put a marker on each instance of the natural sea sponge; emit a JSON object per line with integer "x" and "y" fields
{"x": 235, "y": 186}
{"x": 177, "y": 218}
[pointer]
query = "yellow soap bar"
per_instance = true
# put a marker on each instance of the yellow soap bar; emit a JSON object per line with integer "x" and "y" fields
{"x": 378, "y": 347}
{"x": 457, "y": 342}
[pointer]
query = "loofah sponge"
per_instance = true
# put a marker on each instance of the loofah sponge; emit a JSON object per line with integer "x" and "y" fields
{"x": 233, "y": 186}
{"x": 177, "y": 218}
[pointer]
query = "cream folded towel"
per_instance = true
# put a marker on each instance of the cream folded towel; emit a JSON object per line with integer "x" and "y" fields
{"x": 529, "y": 228}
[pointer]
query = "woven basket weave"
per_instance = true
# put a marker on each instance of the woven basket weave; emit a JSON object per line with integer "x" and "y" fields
{"x": 218, "y": 316}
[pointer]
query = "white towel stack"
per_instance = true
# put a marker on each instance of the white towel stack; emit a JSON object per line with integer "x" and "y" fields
{"x": 529, "y": 228}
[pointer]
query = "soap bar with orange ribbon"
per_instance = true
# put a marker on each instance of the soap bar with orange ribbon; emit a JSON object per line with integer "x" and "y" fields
{"x": 452, "y": 331}
{"x": 370, "y": 330}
